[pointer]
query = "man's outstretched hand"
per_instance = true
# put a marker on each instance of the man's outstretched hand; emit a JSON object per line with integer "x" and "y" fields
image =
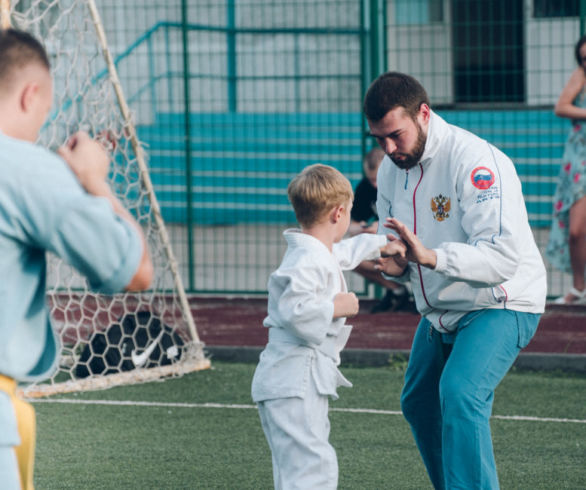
{"x": 416, "y": 252}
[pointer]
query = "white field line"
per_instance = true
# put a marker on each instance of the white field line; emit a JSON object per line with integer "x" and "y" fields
{"x": 243, "y": 406}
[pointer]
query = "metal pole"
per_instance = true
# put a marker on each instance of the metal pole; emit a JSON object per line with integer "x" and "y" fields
{"x": 152, "y": 79}
{"x": 373, "y": 42}
{"x": 378, "y": 37}
{"x": 231, "y": 55}
{"x": 187, "y": 136}
{"x": 365, "y": 47}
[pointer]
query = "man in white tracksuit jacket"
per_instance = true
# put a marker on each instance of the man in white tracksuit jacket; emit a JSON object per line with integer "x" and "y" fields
{"x": 477, "y": 275}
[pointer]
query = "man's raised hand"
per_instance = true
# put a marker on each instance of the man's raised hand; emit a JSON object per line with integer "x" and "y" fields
{"x": 416, "y": 251}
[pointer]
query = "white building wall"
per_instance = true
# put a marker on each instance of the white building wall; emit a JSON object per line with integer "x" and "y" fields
{"x": 424, "y": 52}
{"x": 549, "y": 58}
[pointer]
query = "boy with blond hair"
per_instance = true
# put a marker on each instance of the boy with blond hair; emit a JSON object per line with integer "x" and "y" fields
{"x": 307, "y": 307}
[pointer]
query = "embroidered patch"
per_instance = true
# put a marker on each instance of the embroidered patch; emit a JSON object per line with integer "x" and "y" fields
{"x": 482, "y": 178}
{"x": 440, "y": 205}
{"x": 488, "y": 194}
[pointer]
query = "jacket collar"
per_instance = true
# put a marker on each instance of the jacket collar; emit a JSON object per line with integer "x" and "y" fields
{"x": 296, "y": 238}
{"x": 436, "y": 133}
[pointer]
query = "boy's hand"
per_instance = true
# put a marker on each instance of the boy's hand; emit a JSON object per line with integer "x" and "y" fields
{"x": 394, "y": 247}
{"x": 393, "y": 259}
{"x": 89, "y": 162}
{"x": 345, "y": 305}
{"x": 391, "y": 266}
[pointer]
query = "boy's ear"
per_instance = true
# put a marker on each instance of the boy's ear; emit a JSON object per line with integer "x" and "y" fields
{"x": 337, "y": 212}
{"x": 28, "y": 95}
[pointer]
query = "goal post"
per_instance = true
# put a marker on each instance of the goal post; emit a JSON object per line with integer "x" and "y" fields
{"x": 125, "y": 338}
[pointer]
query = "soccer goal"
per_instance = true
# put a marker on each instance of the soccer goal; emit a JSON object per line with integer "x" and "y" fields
{"x": 124, "y": 338}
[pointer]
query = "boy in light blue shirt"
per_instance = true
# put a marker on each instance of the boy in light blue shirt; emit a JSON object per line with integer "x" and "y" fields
{"x": 60, "y": 204}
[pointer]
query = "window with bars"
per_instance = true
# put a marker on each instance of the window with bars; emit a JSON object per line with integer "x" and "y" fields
{"x": 488, "y": 44}
{"x": 556, "y": 8}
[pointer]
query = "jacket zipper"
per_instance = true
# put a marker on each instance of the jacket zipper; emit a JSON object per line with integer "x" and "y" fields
{"x": 415, "y": 231}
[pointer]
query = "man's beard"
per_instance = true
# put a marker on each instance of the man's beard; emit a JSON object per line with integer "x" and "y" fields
{"x": 409, "y": 160}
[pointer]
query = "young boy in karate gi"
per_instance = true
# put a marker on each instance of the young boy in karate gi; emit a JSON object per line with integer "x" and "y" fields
{"x": 307, "y": 307}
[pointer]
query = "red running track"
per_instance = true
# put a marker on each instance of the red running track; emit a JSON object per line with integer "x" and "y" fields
{"x": 238, "y": 322}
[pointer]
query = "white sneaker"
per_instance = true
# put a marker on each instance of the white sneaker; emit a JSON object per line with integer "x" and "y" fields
{"x": 579, "y": 295}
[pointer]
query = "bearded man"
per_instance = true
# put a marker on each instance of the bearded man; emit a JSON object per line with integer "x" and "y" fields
{"x": 477, "y": 275}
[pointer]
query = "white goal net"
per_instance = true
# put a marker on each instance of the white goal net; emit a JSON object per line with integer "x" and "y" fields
{"x": 125, "y": 338}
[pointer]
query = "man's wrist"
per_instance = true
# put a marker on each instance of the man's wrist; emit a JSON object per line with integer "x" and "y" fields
{"x": 441, "y": 260}
{"x": 431, "y": 259}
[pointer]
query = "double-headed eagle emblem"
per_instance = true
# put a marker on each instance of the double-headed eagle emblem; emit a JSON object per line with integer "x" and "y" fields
{"x": 440, "y": 205}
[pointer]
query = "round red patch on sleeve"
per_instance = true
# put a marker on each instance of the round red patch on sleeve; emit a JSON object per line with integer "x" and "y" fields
{"x": 482, "y": 178}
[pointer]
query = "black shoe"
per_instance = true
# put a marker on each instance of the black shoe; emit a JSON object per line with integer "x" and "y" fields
{"x": 389, "y": 302}
{"x": 407, "y": 304}
{"x": 384, "y": 304}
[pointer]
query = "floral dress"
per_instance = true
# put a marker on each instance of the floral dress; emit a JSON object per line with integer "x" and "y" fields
{"x": 571, "y": 187}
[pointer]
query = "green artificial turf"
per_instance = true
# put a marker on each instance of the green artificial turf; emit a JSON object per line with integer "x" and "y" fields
{"x": 175, "y": 447}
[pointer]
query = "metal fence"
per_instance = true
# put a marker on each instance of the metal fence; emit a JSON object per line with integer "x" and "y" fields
{"x": 233, "y": 98}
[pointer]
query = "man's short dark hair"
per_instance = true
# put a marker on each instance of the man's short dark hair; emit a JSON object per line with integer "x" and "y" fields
{"x": 19, "y": 49}
{"x": 391, "y": 90}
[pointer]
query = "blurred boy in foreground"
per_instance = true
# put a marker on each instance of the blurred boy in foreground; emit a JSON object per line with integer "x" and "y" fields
{"x": 60, "y": 204}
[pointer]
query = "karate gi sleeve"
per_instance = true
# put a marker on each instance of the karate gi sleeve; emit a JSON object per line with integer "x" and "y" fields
{"x": 57, "y": 215}
{"x": 351, "y": 251}
{"x": 305, "y": 307}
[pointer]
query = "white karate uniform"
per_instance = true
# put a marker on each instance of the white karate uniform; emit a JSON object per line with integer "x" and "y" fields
{"x": 298, "y": 368}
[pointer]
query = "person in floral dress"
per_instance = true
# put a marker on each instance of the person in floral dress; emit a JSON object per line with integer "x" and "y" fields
{"x": 566, "y": 249}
